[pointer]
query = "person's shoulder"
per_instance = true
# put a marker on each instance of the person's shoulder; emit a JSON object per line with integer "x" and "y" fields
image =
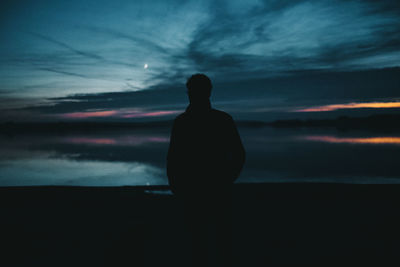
{"x": 222, "y": 115}
{"x": 180, "y": 117}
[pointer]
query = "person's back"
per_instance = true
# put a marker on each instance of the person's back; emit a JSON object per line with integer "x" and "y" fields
{"x": 205, "y": 153}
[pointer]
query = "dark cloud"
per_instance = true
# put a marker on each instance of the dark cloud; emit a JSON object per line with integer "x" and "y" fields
{"x": 246, "y": 99}
{"x": 210, "y": 50}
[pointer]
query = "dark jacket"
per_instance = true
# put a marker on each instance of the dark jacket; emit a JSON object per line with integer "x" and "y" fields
{"x": 205, "y": 152}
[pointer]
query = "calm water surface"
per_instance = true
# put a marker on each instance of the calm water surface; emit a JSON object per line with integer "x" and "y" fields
{"x": 137, "y": 157}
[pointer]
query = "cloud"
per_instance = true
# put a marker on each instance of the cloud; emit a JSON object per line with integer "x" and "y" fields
{"x": 353, "y": 140}
{"x": 66, "y": 73}
{"x": 279, "y": 37}
{"x": 118, "y": 113}
{"x": 93, "y": 114}
{"x": 333, "y": 107}
{"x": 136, "y": 41}
{"x": 257, "y": 98}
{"x": 66, "y": 46}
{"x": 85, "y": 54}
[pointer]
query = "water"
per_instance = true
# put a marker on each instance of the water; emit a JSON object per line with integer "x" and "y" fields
{"x": 137, "y": 157}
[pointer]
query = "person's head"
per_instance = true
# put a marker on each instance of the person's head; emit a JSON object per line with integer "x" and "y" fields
{"x": 198, "y": 88}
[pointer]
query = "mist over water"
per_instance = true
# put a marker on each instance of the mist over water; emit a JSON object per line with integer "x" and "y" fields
{"x": 137, "y": 157}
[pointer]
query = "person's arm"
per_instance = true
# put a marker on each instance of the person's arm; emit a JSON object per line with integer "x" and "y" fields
{"x": 237, "y": 152}
{"x": 172, "y": 156}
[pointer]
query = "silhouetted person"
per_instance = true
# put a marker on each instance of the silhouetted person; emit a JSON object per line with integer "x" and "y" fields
{"x": 205, "y": 157}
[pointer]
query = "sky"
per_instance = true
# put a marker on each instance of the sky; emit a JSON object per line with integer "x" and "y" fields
{"x": 129, "y": 60}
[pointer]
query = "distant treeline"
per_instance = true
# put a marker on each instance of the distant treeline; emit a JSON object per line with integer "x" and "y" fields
{"x": 70, "y": 127}
{"x": 373, "y": 122}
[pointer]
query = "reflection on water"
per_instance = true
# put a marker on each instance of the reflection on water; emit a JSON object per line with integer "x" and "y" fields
{"x": 137, "y": 157}
{"x": 88, "y": 140}
{"x": 46, "y": 170}
{"x": 354, "y": 140}
{"x": 124, "y": 140}
{"x": 103, "y": 159}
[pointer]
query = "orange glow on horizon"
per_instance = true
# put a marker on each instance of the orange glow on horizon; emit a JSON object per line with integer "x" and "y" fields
{"x": 81, "y": 115}
{"x": 149, "y": 114}
{"x": 355, "y": 140}
{"x": 94, "y": 141}
{"x": 130, "y": 140}
{"x": 118, "y": 114}
{"x": 351, "y": 106}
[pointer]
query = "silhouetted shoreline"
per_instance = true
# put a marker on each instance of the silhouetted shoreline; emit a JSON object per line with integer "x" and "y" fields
{"x": 380, "y": 122}
{"x": 284, "y": 224}
{"x": 75, "y": 126}
{"x": 373, "y": 122}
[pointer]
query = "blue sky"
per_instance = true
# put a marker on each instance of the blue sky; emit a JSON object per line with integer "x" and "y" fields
{"x": 267, "y": 59}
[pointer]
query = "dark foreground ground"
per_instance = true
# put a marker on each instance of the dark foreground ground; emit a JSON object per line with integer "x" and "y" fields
{"x": 274, "y": 225}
